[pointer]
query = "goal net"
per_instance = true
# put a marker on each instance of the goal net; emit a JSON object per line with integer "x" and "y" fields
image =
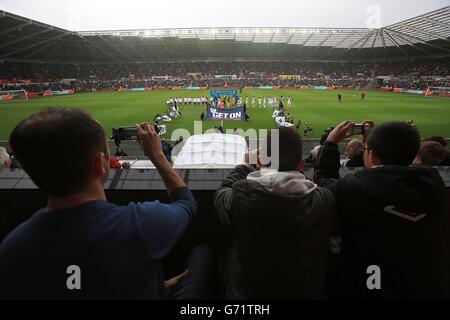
{"x": 9, "y": 95}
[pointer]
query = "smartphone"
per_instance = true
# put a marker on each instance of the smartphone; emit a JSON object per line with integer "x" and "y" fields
{"x": 405, "y": 214}
{"x": 358, "y": 129}
{"x": 131, "y": 133}
{"x": 125, "y": 133}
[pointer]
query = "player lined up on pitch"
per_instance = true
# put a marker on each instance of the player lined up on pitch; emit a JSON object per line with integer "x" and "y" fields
{"x": 187, "y": 101}
{"x": 270, "y": 102}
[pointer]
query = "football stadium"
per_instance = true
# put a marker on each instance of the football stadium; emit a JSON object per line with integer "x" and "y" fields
{"x": 215, "y": 163}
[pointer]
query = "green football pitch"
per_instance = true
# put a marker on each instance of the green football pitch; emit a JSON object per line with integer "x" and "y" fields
{"x": 319, "y": 108}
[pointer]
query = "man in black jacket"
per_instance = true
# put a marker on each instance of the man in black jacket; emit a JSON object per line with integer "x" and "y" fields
{"x": 280, "y": 226}
{"x": 394, "y": 226}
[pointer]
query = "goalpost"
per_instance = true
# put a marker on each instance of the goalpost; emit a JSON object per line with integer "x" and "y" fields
{"x": 9, "y": 95}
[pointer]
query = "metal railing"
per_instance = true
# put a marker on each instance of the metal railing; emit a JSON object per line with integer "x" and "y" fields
{"x": 133, "y": 149}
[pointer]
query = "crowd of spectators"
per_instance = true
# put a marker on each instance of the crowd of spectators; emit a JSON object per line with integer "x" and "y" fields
{"x": 46, "y": 72}
{"x": 433, "y": 151}
{"x": 88, "y": 77}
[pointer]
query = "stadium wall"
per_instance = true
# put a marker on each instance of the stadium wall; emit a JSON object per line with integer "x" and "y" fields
{"x": 124, "y": 186}
{"x": 240, "y": 59}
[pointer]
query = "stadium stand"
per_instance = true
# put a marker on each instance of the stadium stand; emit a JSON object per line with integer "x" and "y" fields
{"x": 39, "y": 77}
{"x": 37, "y": 57}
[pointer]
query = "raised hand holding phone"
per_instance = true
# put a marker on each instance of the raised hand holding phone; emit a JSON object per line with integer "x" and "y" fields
{"x": 341, "y": 132}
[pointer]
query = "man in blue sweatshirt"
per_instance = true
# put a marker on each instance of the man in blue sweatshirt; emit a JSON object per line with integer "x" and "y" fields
{"x": 81, "y": 246}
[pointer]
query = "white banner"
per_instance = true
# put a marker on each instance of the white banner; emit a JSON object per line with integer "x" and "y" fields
{"x": 226, "y": 76}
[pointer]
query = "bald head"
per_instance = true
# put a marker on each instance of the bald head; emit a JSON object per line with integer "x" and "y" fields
{"x": 354, "y": 148}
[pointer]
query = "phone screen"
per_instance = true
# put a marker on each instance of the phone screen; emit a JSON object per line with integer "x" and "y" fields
{"x": 358, "y": 129}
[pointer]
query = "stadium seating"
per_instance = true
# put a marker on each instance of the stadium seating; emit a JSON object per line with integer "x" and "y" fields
{"x": 38, "y": 77}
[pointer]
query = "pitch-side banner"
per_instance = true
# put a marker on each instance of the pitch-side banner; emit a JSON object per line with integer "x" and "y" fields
{"x": 236, "y": 114}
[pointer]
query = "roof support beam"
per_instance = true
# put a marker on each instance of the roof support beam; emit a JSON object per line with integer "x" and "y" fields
{"x": 115, "y": 48}
{"x": 374, "y": 38}
{"x": 366, "y": 40}
{"x": 164, "y": 45}
{"x": 167, "y": 48}
{"x": 363, "y": 40}
{"x": 32, "y": 53}
{"x": 25, "y": 38}
{"x": 99, "y": 48}
{"x": 395, "y": 42}
{"x": 34, "y": 45}
{"x": 320, "y": 44}
{"x": 301, "y": 46}
{"x": 404, "y": 36}
{"x": 135, "y": 50}
{"x": 307, "y": 39}
{"x": 383, "y": 41}
{"x": 148, "y": 47}
{"x": 182, "y": 46}
{"x": 54, "y": 50}
{"x": 268, "y": 45}
{"x": 339, "y": 43}
{"x": 411, "y": 43}
{"x": 435, "y": 22}
{"x": 434, "y": 34}
{"x": 286, "y": 44}
{"x": 375, "y": 35}
{"x": 26, "y": 24}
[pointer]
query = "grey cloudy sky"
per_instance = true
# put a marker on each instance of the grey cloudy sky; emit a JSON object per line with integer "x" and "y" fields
{"x": 80, "y": 15}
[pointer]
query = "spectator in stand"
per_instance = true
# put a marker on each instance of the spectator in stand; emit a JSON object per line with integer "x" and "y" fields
{"x": 180, "y": 140}
{"x": 306, "y": 130}
{"x": 114, "y": 163}
{"x": 4, "y": 157}
{"x": 313, "y": 155}
{"x": 13, "y": 163}
{"x": 431, "y": 153}
{"x": 325, "y": 135}
{"x": 281, "y": 225}
{"x": 412, "y": 123}
{"x": 298, "y": 126}
{"x": 126, "y": 165}
{"x": 354, "y": 153}
{"x": 108, "y": 76}
{"x": 120, "y": 153}
{"x": 219, "y": 129}
{"x": 117, "y": 249}
{"x": 443, "y": 142}
{"x": 167, "y": 150}
{"x": 392, "y": 215}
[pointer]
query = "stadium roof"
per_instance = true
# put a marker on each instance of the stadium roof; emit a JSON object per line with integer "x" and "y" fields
{"x": 425, "y": 36}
